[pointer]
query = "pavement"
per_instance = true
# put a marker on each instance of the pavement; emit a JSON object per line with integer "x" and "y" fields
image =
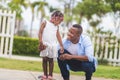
{"x": 22, "y": 57}
{"x": 9, "y": 74}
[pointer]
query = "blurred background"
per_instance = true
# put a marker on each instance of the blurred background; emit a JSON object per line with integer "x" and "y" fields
{"x": 100, "y": 20}
{"x": 95, "y": 16}
{"x": 20, "y": 22}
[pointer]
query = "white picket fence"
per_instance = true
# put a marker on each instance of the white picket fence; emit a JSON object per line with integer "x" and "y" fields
{"x": 7, "y": 24}
{"x": 107, "y": 47}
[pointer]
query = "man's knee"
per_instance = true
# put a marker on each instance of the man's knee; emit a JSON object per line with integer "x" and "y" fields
{"x": 65, "y": 51}
{"x": 88, "y": 67}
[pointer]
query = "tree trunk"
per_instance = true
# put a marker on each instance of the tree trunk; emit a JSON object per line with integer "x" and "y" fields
{"x": 31, "y": 25}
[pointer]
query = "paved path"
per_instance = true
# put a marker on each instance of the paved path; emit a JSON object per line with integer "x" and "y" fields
{"x": 7, "y": 74}
{"x": 21, "y": 57}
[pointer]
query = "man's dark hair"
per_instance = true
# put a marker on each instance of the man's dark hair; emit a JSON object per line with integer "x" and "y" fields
{"x": 79, "y": 27}
{"x": 57, "y": 13}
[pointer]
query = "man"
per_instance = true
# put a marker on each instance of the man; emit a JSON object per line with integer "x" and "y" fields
{"x": 78, "y": 54}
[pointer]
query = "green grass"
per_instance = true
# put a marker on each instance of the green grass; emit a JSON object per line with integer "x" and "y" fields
{"x": 102, "y": 70}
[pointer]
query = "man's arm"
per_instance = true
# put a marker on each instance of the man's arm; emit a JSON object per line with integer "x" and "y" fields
{"x": 88, "y": 56}
{"x": 76, "y": 57}
{"x": 89, "y": 51}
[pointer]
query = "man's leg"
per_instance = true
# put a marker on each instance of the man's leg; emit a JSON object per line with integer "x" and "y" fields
{"x": 76, "y": 65}
{"x": 63, "y": 68}
{"x": 86, "y": 66}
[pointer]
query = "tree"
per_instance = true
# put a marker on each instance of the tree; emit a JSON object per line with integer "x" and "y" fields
{"x": 23, "y": 33}
{"x": 68, "y": 13}
{"x": 115, "y": 6}
{"x": 90, "y": 8}
{"x": 51, "y": 8}
{"x": 40, "y": 7}
{"x": 15, "y": 5}
{"x": 3, "y": 4}
{"x": 32, "y": 6}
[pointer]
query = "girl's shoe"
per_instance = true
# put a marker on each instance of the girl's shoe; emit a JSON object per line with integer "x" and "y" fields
{"x": 42, "y": 77}
{"x": 50, "y": 77}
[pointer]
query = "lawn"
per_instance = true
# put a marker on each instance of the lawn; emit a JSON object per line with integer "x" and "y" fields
{"x": 102, "y": 70}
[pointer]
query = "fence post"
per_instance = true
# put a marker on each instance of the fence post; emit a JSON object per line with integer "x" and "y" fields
{"x": 106, "y": 51}
{"x": 97, "y": 46}
{"x": 119, "y": 55}
{"x": 102, "y": 47}
{"x": 3, "y": 33}
{"x": 12, "y": 33}
{"x": 107, "y": 48}
{"x": 115, "y": 53}
{"x": 0, "y": 32}
{"x": 7, "y": 24}
{"x": 7, "y": 33}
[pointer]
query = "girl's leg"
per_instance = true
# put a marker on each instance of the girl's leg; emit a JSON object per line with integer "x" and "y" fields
{"x": 44, "y": 66}
{"x": 51, "y": 66}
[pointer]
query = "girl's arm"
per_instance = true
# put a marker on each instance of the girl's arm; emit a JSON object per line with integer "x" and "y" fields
{"x": 41, "y": 46}
{"x": 41, "y": 31}
{"x": 60, "y": 41}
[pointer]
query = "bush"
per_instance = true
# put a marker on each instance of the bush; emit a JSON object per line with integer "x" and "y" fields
{"x": 23, "y": 33}
{"x": 25, "y": 46}
{"x": 102, "y": 61}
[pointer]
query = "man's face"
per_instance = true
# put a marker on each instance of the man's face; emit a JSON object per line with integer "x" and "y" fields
{"x": 72, "y": 34}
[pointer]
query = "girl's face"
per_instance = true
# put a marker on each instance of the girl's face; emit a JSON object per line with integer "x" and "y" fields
{"x": 57, "y": 20}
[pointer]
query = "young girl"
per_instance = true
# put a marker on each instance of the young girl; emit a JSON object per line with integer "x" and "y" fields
{"x": 48, "y": 34}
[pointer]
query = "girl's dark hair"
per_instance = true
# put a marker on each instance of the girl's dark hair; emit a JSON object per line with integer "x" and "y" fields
{"x": 79, "y": 27}
{"x": 57, "y": 13}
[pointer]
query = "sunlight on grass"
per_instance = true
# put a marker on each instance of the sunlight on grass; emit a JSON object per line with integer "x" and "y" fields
{"x": 102, "y": 70}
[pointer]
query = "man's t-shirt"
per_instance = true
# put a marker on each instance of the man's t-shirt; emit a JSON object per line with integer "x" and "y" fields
{"x": 73, "y": 49}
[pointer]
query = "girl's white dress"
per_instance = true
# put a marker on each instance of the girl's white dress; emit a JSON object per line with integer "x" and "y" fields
{"x": 50, "y": 40}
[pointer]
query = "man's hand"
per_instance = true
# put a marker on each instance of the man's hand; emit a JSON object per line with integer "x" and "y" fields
{"x": 65, "y": 57}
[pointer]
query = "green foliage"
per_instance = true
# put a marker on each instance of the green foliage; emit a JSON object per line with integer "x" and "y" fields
{"x": 115, "y": 5}
{"x": 67, "y": 18}
{"x": 17, "y": 8}
{"x": 15, "y": 5}
{"x": 87, "y": 8}
{"x": 94, "y": 23}
{"x": 40, "y": 7}
{"x": 25, "y": 46}
{"x": 68, "y": 14}
{"x": 52, "y": 9}
{"x": 103, "y": 61}
{"x": 23, "y": 33}
{"x": 90, "y": 8}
